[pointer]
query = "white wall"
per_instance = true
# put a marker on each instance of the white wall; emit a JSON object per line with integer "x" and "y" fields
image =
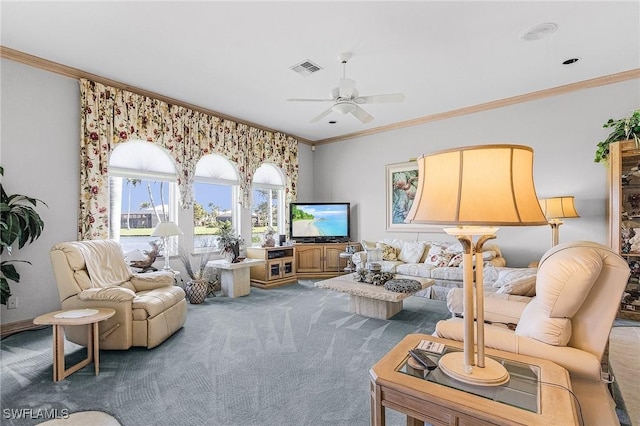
{"x": 562, "y": 130}
{"x": 40, "y": 151}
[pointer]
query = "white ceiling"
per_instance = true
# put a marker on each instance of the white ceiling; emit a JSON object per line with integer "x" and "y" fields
{"x": 234, "y": 57}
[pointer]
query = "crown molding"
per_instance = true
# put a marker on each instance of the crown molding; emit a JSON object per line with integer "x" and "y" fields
{"x": 528, "y": 97}
{"x": 75, "y": 73}
{"x": 64, "y": 70}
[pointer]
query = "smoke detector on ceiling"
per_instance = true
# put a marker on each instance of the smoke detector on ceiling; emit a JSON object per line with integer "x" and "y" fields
{"x": 306, "y": 68}
{"x": 540, "y": 31}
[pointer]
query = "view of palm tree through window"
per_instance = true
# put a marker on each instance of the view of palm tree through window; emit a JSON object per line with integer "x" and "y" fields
{"x": 264, "y": 214}
{"x": 144, "y": 203}
{"x": 212, "y": 205}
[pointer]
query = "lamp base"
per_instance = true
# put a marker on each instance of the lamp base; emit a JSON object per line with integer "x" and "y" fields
{"x": 492, "y": 374}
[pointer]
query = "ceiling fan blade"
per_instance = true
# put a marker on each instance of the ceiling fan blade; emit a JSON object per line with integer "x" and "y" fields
{"x": 308, "y": 100}
{"x": 321, "y": 116}
{"x": 362, "y": 115}
{"x": 379, "y": 99}
{"x": 345, "y": 90}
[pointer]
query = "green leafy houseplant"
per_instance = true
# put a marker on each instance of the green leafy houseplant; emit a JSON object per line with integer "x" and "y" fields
{"x": 623, "y": 129}
{"x": 228, "y": 240}
{"x": 19, "y": 223}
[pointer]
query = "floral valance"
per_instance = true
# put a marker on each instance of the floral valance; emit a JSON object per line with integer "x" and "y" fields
{"x": 110, "y": 116}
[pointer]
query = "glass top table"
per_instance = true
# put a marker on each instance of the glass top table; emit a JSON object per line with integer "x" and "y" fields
{"x": 537, "y": 393}
{"x": 521, "y": 391}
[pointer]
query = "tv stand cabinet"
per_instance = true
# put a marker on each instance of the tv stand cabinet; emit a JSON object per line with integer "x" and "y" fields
{"x": 278, "y": 269}
{"x": 321, "y": 260}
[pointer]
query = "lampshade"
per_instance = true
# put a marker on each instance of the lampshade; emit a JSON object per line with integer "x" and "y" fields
{"x": 166, "y": 229}
{"x": 486, "y": 185}
{"x": 558, "y": 207}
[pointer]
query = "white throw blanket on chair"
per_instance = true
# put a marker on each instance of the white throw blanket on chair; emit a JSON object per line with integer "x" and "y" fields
{"x": 105, "y": 262}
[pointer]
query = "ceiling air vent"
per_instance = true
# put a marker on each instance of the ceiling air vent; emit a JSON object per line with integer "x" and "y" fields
{"x": 306, "y": 68}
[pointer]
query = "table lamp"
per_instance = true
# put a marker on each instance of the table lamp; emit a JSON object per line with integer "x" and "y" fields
{"x": 476, "y": 189}
{"x": 166, "y": 230}
{"x": 555, "y": 209}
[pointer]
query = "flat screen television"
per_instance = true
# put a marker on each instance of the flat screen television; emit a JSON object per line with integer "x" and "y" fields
{"x": 319, "y": 222}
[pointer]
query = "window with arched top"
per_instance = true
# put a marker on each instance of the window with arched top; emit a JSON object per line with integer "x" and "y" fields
{"x": 267, "y": 208}
{"x": 216, "y": 195}
{"x": 142, "y": 193}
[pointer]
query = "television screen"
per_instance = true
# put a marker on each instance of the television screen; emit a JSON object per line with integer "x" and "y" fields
{"x": 319, "y": 221}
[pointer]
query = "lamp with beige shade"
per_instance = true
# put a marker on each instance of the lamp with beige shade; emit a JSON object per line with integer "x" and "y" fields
{"x": 475, "y": 189}
{"x": 555, "y": 209}
{"x": 165, "y": 230}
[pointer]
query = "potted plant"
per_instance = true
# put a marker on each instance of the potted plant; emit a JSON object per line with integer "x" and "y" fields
{"x": 19, "y": 222}
{"x": 623, "y": 129}
{"x": 201, "y": 281}
{"x": 228, "y": 241}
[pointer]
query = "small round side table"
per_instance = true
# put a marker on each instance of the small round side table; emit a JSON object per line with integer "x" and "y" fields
{"x": 349, "y": 267}
{"x": 58, "y": 319}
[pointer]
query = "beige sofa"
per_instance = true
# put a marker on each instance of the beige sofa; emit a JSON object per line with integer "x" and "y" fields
{"x": 506, "y": 293}
{"x": 578, "y": 286}
{"x": 438, "y": 260}
{"x": 149, "y": 307}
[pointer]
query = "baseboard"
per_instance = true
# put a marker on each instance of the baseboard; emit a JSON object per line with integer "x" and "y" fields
{"x": 18, "y": 326}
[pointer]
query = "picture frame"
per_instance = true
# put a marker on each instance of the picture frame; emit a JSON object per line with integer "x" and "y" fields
{"x": 401, "y": 184}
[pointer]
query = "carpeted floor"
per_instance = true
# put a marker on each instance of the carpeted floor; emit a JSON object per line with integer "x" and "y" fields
{"x": 624, "y": 347}
{"x": 287, "y": 356}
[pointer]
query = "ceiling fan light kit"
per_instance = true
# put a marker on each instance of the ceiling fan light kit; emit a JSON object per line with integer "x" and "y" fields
{"x": 344, "y": 107}
{"x": 346, "y": 99}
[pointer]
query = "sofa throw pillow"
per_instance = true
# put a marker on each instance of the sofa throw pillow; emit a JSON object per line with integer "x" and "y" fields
{"x": 524, "y": 286}
{"x": 508, "y": 275}
{"x": 388, "y": 252}
{"x": 438, "y": 256}
{"x": 412, "y": 251}
{"x": 456, "y": 260}
{"x": 367, "y": 245}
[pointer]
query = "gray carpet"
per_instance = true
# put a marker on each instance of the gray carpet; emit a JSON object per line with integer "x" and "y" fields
{"x": 287, "y": 356}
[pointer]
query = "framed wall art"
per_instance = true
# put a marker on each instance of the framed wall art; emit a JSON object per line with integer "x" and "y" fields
{"x": 401, "y": 185}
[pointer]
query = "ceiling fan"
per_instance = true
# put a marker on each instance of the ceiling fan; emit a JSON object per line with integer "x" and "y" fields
{"x": 346, "y": 99}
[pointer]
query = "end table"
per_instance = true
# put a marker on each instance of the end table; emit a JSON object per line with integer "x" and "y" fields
{"x": 90, "y": 317}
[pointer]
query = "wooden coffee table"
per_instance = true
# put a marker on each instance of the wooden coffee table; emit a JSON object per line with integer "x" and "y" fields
{"x": 90, "y": 317}
{"x": 370, "y": 300}
{"x": 537, "y": 393}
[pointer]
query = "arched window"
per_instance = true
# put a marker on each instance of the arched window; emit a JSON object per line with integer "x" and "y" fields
{"x": 142, "y": 185}
{"x": 216, "y": 195}
{"x": 267, "y": 209}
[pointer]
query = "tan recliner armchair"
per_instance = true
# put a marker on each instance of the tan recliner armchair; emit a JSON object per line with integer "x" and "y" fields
{"x": 578, "y": 290}
{"x": 149, "y": 307}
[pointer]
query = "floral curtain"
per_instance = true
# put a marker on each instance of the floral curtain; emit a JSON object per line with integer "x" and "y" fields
{"x": 110, "y": 116}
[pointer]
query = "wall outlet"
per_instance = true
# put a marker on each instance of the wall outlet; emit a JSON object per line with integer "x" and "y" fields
{"x": 12, "y": 302}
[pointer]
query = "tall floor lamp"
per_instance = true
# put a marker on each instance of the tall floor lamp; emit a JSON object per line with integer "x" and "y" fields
{"x": 165, "y": 230}
{"x": 555, "y": 209}
{"x": 475, "y": 189}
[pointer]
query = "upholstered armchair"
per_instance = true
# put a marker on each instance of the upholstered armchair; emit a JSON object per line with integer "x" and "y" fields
{"x": 578, "y": 291}
{"x": 149, "y": 307}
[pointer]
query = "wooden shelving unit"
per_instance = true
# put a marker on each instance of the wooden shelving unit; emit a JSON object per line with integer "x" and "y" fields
{"x": 321, "y": 260}
{"x": 624, "y": 217}
{"x": 279, "y": 267}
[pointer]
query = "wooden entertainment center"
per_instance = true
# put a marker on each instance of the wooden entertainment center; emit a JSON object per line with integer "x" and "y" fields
{"x": 286, "y": 264}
